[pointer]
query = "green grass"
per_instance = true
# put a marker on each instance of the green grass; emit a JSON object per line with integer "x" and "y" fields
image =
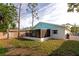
{"x": 68, "y": 48}
{"x": 49, "y": 47}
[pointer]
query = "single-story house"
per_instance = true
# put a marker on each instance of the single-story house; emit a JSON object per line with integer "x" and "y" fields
{"x": 43, "y": 31}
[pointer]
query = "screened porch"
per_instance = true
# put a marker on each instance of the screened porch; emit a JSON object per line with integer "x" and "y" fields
{"x": 38, "y": 33}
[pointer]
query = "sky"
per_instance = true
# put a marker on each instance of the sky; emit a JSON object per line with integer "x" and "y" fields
{"x": 55, "y": 13}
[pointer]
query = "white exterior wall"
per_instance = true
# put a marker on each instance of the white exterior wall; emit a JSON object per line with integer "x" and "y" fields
{"x": 60, "y": 33}
{"x": 37, "y": 39}
{"x": 32, "y": 38}
{"x": 67, "y": 31}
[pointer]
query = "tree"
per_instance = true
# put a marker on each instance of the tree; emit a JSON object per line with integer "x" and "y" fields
{"x": 33, "y": 9}
{"x": 72, "y": 7}
{"x": 75, "y": 29}
{"x": 67, "y": 25}
{"x": 1, "y": 17}
{"x": 19, "y": 20}
{"x": 7, "y": 16}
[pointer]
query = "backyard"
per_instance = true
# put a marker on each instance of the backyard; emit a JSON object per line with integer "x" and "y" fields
{"x": 21, "y": 47}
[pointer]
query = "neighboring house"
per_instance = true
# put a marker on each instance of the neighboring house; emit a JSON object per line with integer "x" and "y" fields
{"x": 43, "y": 31}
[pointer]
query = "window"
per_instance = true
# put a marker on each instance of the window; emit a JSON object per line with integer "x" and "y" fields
{"x": 55, "y": 31}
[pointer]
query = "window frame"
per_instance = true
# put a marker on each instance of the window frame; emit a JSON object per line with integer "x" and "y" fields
{"x": 55, "y": 31}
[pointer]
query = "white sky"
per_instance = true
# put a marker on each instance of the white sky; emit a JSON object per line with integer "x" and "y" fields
{"x": 56, "y": 14}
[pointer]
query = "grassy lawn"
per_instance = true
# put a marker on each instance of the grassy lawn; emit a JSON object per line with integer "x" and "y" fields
{"x": 49, "y": 47}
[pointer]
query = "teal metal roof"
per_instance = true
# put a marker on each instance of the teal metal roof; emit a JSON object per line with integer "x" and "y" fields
{"x": 42, "y": 25}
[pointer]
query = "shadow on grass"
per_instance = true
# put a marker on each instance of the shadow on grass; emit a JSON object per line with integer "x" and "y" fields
{"x": 68, "y": 48}
{"x": 3, "y": 51}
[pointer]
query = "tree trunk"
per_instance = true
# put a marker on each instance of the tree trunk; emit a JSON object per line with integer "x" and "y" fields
{"x": 19, "y": 21}
{"x": 8, "y": 32}
{"x": 32, "y": 19}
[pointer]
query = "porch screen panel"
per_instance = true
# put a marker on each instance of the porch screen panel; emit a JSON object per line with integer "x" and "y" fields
{"x": 45, "y": 33}
{"x": 36, "y": 33}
